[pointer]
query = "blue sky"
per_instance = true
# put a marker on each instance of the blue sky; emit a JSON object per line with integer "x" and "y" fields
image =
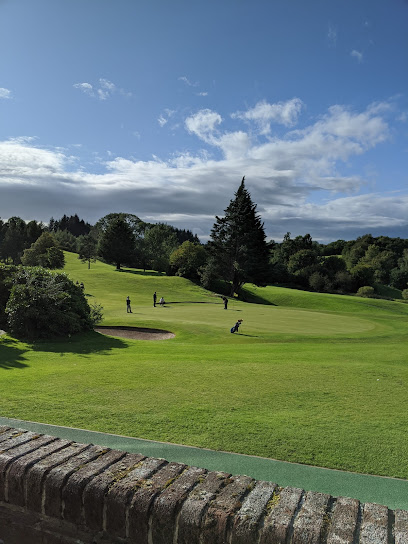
{"x": 159, "y": 108}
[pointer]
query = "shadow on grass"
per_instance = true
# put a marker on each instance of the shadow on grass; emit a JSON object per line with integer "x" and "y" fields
{"x": 11, "y": 355}
{"x": 82, "y": 344}
{"x": 141, "y": 273}
{"x": 246, "y": 296}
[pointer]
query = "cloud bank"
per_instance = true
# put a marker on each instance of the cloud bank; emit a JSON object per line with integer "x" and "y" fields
{"x": 296, "y": 179}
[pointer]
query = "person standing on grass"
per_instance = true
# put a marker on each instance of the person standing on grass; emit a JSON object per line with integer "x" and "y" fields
{"x": 154, "y": 299}
{"x": 128, "y": 307}
{"x": 225, "y": 302}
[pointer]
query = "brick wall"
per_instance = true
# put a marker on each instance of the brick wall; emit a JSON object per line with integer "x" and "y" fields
{"x": 54, "y": 491}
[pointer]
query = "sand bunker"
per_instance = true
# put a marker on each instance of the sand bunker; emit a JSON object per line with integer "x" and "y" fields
{"x": 136, "y": 333}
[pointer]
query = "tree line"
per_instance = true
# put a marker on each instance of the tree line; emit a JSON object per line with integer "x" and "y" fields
{"x": 236, "y": 253}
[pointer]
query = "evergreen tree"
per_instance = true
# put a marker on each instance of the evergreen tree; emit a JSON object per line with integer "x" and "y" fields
{"x": 238, "y": 249}
{"x": 117, "y": 243}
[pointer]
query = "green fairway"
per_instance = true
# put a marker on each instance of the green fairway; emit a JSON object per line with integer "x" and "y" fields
{"x": 313, "y": 378}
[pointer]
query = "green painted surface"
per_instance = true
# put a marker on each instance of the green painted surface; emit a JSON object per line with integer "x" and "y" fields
{"x": 388, "y": 491}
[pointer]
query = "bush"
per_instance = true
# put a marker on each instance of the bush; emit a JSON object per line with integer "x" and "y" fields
{"x": 404, "y": 294}
{"x": 6, "y": 283}
{"x": 43, "y": 304}
{"x": 319, "y": 282}
{"x": 367, "y": 292}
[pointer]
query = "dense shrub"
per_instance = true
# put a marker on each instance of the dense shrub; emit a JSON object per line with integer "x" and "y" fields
{"x": 366, "y": 291}
{"x": 6, "y": 273}
{"x": 43, "y": 304}
{"x": 405, "y": 294}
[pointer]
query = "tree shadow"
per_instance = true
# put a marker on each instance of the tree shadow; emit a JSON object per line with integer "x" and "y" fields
{"x": 11, "y": 356}
{"x": 80, "y": 344}
{"x": 141, "y": 273}
{"x": 253, "y": 298}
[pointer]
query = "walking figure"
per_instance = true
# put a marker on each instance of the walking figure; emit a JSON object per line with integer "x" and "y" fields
{"x": 128, "y": 307}
{"x": 154, "y": 299}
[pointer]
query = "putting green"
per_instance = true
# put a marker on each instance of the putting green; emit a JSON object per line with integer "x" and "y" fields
{"x": 259, "y": 320}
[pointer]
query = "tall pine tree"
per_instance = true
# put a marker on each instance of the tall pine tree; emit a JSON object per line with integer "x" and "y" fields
{"x": 238, "y": 248}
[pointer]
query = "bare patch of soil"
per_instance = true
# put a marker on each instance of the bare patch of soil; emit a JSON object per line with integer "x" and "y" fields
{"x": 136, "y": 333}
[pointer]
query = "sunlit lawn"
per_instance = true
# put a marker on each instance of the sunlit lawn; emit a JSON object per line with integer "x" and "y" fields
{"x": 313, "y": 378}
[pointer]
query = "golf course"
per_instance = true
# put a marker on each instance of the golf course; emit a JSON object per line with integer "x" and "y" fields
{"x": 312, "y": 378}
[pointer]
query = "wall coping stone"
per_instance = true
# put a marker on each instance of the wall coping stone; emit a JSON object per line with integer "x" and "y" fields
{"x": 55, "y": 491}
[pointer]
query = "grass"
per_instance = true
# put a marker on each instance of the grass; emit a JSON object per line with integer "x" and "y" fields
{"x": 313, "y": 378}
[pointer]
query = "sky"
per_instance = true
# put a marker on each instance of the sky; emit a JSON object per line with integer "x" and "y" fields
{"x": 158, "y": 108}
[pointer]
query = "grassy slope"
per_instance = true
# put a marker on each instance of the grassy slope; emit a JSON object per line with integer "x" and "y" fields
{"x": 314, "y": 378}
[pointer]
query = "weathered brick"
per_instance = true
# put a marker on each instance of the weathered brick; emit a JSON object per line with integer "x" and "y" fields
{"x": 401, "y": 527}
{"x": 10, "y": 455}
{"x": 196, "y": 504}
{"x": 16, "y": 438}
{"x": 374, "y": 525}
{"x": 309, "y": 523}
{"x": 343, "y": 523}
{"x": 145, "y": 493}
{"x": 18, "y": 468}
{"x": 5, "y": 433}
{"x": 57, "y": 477}
{"x": 121, "y": 493}
{"x": 36, "y": 474}
{"x": 279, "y": 519}
{"x": 167, "y": 505}
{"x": 226, "y": 503}
{"x": 72, "y": 491}
{"x": 248, "y": 518}
{"x": 95, "y": 491}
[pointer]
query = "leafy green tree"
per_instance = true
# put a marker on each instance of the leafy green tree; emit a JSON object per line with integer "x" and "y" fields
{"x": 44, "y": 252}
{"x": 66, "y": 240}
{"x": 319, "y": 282}
{"x": 332, "y": 264}
{"x": 238, "y": 249}
{"x": 160, "y": 241}
{"x": 14, "y": 240}
{"x": 188, "y": 259}
{"x": 44, "y": 304}
{"x": 303, "y": 259}
{"x": 87, "y": 249}
{"x": 33, "y": 232}
{"x": 333, "y": 248}
{"x": 342, "y": 282}
{"x": 382, "y": 261}
{"x": 117, "y": 243}
{"x": 362, "y": 275}
{"x": 354, "y": 251}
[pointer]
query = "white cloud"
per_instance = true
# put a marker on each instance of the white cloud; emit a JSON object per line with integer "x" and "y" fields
{"x": 283, "y": 175}
{"x": 103, "y": 90}
{"x": 357, "y": 55}
{"x": 185, "y": 80}
{"x": 203, "y": 124}
{"x": 263, "y": 114}
{"x": 165, "y": 116}
{"x": 5, "y": 93}
{"x": 203, "y": 93}
{"x": 332, "y": 36}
